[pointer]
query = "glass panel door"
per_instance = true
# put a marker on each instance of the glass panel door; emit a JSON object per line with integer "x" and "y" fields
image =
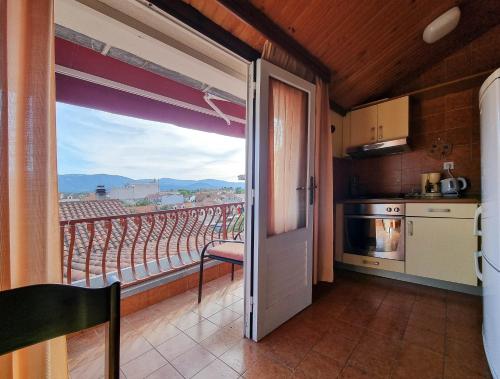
{"x": 282, "y": 219}
{"x": 374, "y": 236}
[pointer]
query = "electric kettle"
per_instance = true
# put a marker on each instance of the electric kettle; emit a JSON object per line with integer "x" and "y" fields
{"x": 453, "y": 186}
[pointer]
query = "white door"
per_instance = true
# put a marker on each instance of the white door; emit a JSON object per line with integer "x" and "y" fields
{"x": 283, "y": 188}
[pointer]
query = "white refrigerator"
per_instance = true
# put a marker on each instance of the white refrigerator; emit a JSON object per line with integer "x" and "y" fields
{"x": 489, "y": 212}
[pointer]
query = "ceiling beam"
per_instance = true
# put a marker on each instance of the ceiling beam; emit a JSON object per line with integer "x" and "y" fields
{"x": 199, "y": 22}
{"x": 196, "y": 20}
{"x": 254, "y": 17}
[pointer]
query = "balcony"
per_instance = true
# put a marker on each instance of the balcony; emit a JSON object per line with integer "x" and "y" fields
{"x": 143, "y": 246}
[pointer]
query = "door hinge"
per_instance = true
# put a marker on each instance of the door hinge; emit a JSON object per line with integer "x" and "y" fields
{"x": 252, "y": 196}
{"x": 251, "y": 304}
{"x": 312, "y": 189}
{"x": 253, "y": 89}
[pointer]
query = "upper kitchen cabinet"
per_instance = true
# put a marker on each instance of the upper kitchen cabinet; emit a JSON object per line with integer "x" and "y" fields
{"x": 341, "y": 133}
{"x": 337, "y": 123}
{"x": 381, "y": 122}
{"x": 364, "y": 126}
{"x": 393, "y": 119}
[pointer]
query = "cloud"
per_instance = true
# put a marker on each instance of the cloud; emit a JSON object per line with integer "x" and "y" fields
{"x": 95, "y": 142}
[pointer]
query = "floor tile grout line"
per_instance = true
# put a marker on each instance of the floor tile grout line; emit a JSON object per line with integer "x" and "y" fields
{"x": 361, "y": 337}
{"x": 445, "y": 335}
{"x": 304, "y": 357}
{"x": 402, "y": 340}
{"x": 170, "y": 363}
{"x": 166, "y": 360}
{"x": 198, "y": 344}
{"x": 225, "y": 364}
{"x": 356, "y": 345}
{"x": 140, "y": 355}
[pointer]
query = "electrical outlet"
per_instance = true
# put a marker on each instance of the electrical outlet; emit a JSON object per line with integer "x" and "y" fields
{"x": 448, "y": 165}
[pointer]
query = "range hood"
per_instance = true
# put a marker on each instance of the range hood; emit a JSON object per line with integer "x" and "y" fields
{"x": 379, "y": 148}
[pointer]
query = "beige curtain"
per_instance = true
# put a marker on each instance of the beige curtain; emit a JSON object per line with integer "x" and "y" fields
{"x": 287, "y": 163}
{"x": 323, "y": 207}
{"x": 29, "y": 236}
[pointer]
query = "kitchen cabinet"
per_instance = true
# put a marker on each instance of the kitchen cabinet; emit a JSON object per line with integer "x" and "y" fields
{"x": 380, "y": 122}
{"x": 337, "y": 122}
{"x": 439, "y": 241}
{"x": 341, "y": 134}
{"x": 363, "y": 126}
{"x": 393, "y": 119}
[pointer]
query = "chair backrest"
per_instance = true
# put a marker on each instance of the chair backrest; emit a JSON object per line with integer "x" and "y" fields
{"x": 36, "y": 313}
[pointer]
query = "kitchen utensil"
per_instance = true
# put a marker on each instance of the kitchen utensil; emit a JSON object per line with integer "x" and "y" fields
{"x": 430, "y": 184}
{"x": 453, "y": 186}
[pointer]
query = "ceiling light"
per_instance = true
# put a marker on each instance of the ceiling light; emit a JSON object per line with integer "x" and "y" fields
{"x": 442, "y": 25}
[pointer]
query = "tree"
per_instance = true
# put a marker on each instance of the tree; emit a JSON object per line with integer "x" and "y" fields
{"x": 142, "y": 202}
{"x": 185, "y": 193}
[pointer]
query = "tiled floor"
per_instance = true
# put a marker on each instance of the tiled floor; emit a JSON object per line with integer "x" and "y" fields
{"x": 361, "y": 327}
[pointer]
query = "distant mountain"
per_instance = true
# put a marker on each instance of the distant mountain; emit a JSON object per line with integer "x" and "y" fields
{"x": 87, "y": 183}
{"x": 167, "y": 184}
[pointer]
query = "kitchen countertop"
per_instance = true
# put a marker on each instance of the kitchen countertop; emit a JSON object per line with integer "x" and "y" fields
{"x": 466, "y": 200}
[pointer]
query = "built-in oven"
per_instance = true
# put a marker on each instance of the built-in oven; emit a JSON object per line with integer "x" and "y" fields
{"x": 375, "y": 230}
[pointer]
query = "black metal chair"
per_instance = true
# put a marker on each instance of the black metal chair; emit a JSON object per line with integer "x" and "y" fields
{"x": 41, "y": 312}
{"x": 222, "y": 251}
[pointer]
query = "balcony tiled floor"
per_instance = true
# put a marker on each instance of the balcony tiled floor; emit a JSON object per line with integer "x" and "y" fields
{"x": 362, "y": 327}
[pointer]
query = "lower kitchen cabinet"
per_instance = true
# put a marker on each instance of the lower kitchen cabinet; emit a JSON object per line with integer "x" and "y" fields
{"x": 441, "y": 248}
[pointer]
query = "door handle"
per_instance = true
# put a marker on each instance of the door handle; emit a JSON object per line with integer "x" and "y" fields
{"x": 444, "y": 210}
{"x": 477, "y": 215}
{"x": 381, "y": 131}
{"x": 477, "y": 255}
{"x": 410, "y": 228}
{"x": 373, "y": 263}
{"x": 301, "y": 188}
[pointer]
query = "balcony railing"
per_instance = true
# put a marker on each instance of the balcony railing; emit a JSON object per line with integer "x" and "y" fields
{"x": 142, "y": 246}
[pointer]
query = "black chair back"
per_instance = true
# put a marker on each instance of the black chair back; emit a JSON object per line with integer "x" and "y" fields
{"x": 37, "y": 313}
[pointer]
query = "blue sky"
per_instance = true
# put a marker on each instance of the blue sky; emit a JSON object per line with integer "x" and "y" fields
{"x": 96, "y": 142}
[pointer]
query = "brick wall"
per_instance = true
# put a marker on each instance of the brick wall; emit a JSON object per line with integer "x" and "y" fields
{"x": 452, "y": 115}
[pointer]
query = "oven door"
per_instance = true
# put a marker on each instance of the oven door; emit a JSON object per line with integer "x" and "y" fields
{"x": 375, "y": 236}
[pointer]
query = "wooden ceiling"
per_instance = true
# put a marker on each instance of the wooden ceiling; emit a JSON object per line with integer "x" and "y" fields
{"x": 370, "y": 46}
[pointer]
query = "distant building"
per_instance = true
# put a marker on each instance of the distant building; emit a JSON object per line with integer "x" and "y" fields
{"x": 174, "y": 199}
{"x": 67, "y": 197}
{"x": 100, "y": 193}
{"x": 232, "y": 198}
{"x": 89, "y": 197}
{"x": 135, "y": 191}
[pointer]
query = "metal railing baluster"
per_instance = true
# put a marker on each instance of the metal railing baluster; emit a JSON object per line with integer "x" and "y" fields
{"x": 109, "y": 228}
{"x": 84, "y": 240}
{"x": 91, "y": 230}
